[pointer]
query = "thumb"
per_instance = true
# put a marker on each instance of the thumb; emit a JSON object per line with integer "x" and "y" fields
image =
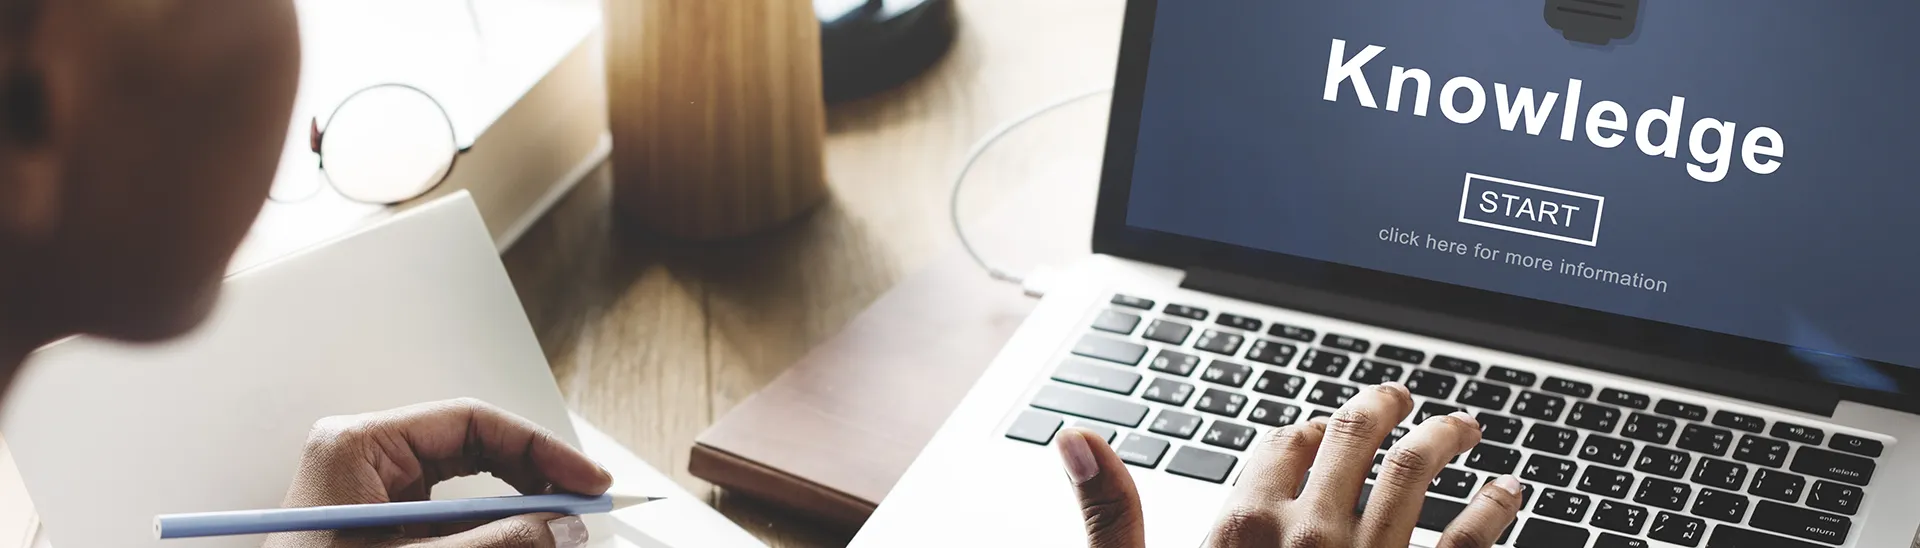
{"x": 1108, "y": 501}
{"x": 527, "y": 531}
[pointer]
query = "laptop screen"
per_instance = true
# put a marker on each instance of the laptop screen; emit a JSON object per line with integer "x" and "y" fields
{"x": 1741, "y": 171}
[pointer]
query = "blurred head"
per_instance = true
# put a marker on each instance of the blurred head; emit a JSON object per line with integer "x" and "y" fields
{"x": 138, "y": 139}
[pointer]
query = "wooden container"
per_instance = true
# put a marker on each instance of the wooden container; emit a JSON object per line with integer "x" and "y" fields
{"x": 717, "y": 114}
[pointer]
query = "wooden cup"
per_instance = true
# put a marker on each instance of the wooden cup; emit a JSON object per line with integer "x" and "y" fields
{"x": 717, "y": 114}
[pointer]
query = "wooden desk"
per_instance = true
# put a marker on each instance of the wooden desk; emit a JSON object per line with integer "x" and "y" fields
{"x": 653, "y": 339}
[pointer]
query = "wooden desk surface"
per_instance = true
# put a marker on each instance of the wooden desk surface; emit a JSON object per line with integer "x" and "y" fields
{"x": 653, "y": 339}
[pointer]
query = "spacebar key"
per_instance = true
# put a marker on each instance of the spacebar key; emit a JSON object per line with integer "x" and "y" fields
{"x": 1082, "y": 404}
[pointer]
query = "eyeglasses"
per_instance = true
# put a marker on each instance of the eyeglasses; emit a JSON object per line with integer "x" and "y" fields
{"x": 386, "y": 144}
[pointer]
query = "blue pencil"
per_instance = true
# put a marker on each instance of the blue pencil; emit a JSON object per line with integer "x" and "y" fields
{"x": 325, "y": 518}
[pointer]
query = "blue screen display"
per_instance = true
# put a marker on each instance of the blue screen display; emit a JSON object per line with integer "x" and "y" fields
{"x": 1739, "y": 167}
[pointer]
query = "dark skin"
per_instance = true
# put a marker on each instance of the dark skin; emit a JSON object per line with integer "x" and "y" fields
{"x": 138, "y": 140}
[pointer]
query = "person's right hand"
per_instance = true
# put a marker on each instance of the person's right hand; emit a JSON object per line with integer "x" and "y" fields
{"x": 1275, "y": 505}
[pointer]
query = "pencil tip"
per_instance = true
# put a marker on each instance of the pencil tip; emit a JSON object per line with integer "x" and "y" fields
{"x": 627, "y": 501}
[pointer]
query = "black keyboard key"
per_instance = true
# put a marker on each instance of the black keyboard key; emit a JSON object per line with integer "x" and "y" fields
{"x": 1480, "y": 394}
{"x": 1227, "y": 373}
{"x": 1376, "y": 372}
{"x": 1132, "y": 302}
{"x": 1663, "y": 494}
{"x": 1681, "y": 409}
{"x": 1728, "y": 536}
{"x": 1168, "y": 361}
{"x": 1141, "y": 450}
{"x": 1834, "y": 497}
{"x": 1219, "y": 342}
{"x": 1087, "y": 405}
{"x": 1497, "y": 428}
{"x": 1221, "y": 402}
{"x": 1168, "y": 391}
{"x": 1663, "y": 462}
{"x": 1331, "y": 394}
{"x": 1740, "y": 421}
{"x": 1705, "y": 439}
{"x": 1817, "y": 462}
{"x": 1274, "y": 353}
{"x": 1548, "y": 470}
{"x": 1801, "y": 522}
{"x": 1624, "y": 398}
{"x": 1106, "y": 432}
{"x": 1436, "y": 514}
{"x": 1546, "y": 534}
{"x": 1393, "y": 437}
{"x": 1176, "y": 424}
{"x": 1273, "y": 413}
{"x": 1184, "y": 311}
{"x": 1720, "y": 505}
{"x": 1201, "y": 464}
{"x": 1595, "y": 417}
{"x": 1538, "y": 405}
{"x": 1794, "y": 432}
{"x": 1619, "y": 517}
{"x": 1401, "y": 354}
{"x": 1275, "y": 383}
{"x": 1317, "y": 413}
{"x": 1777, "y": 485}
{"x": 1605, "y": 450}
{"x": 1285, "y": 331}
{"x": 1228, "y": 435}
{"x": 1035, "y": 427}
{"x": 1430, "y": 410}
{"x": 1526, "y": 490}
{"x": 1346, "y": 343}
{"x": 1677, "y": 529}
{"x": 1114, "y": 321}
{"x": 1558, "y": 441}
{"x": 1493, "y": 458}
{"x": 1856, "y": 445}
{"x": 1096, "y": 376}
{"x": 1761, "y": 451}
{"x": 1720, "y": 474}
{"x": 1606, "y": 482}
{"x": 1558, "y": 385}
{"x": 1110, "y": 349}
{"x": 1610, "y": 540}
{"x": 1462, "y": 366}
{"x": 1170, "y": 332}
{"x": 1331, "y": 364}
{"x": 1372, "y": 473}
{"x": 1511, "y": 376}
{"x": 1454, "y": 481}
{"x": 1649, "y": 428}
{"x": 1430, "y": 384}
{"x": 1562, "y": 505}
{"x": 1238, "y": 322}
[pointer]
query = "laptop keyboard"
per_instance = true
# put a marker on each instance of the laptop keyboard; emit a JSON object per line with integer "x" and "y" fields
{"x": 1184, "y": 390}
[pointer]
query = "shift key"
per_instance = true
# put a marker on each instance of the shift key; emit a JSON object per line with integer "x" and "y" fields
{"x": 1090, "y": 406}
{"x": 1110, "y": 349}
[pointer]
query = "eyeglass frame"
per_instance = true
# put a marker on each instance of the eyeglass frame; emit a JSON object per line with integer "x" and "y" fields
{"x": 317, "y": 135}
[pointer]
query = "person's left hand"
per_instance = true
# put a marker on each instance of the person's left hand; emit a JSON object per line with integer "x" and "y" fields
{"x": 398, "y": 455}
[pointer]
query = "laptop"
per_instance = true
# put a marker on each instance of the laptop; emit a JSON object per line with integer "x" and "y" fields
{"x": 1657, "y": 250}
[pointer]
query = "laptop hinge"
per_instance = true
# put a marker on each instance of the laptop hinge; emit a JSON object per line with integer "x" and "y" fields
{"x": 1799, "y": 396}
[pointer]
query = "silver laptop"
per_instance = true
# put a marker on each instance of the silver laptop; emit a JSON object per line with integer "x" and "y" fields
{"x": 1659, "y": 251}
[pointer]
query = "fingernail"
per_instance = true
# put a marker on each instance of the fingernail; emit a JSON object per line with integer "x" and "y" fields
{"x": 1509, "y": 484}
{"x": 1081, "y": 465}
{"x": 568, "y": 532}
{"x": 1395, "y": 386}
{"x": 1462, "y": 415}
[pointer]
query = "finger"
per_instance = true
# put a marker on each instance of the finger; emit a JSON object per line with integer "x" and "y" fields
{"x": 465, "y": 436}
{"x": 1486, "y": 517}
{"x": 527, "y": 531}
{"x": 1108, "y": 501}
{"x": 1408, "y": 469}
{"x": 1278, "y": 465}
{"x": 1354, "y": 433}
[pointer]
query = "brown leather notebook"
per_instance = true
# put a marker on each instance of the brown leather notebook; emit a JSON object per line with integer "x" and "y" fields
{"x": 833, "y": 434}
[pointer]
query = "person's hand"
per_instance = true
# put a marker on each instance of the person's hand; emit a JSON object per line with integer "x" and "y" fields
{"x": 1275, "y": 505}
{"x": 398, "y": 455}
